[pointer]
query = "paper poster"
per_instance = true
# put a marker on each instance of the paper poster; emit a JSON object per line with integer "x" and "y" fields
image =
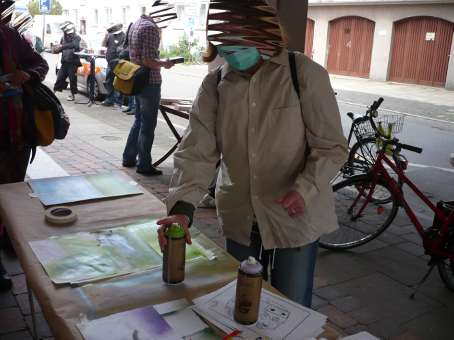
{"x": 70, "y": 189}
{"x": 279, "y": 318}
{"x": 90, "y": 256}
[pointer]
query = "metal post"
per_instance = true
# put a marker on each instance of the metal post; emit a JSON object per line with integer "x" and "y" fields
{"x": 44, "y": 27}
{"x": 35, "y": 335}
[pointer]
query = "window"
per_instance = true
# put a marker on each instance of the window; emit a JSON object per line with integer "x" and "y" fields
{"x": 180, "y": 12}
{"x": 48, "y": 30}
{"x": 76, "y": 15}
{"x": 66, "y": 13}
{"x": 144, "y": 10}
{"x": 96, "y": 17}
{"x": 83, "y": 27}
{"x": 124, "y": 14}
{"x": 203, "y": 15}
{"x": 108, "y": 12}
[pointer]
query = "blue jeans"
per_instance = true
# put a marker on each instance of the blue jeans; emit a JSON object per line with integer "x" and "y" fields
{"x": 141, "y": 135}
{"x": 292, "y": 272}
{"x": 131, "y": 103}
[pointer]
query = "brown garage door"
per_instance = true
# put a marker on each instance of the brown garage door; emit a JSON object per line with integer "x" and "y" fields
{"x": 309, "y": 43}
{"x": 350, "y": 46}
{"x": 420, "y": 51}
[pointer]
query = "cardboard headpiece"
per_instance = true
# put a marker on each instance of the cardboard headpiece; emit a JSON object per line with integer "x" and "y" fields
{"x": 68, "y": 27}
{"x": 23, "y": 22}
{"x": 115, "y": 28}
{"x": 162, "y": 12}
{"x": 246, "y": 23}
{"x": 6, "y": 11}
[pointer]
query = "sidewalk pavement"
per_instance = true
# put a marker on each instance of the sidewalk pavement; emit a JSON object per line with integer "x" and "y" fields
{"x": 363, "y": 289}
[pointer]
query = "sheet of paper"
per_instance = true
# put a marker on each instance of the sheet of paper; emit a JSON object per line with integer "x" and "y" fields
{"x": 137, "y": 324}
{"x": 91, "y": 256}
{"x": 69, "y": 189}
{"x": 361, "y": 336}
{"x": 279, "y": 318}
{"x": 185, "y": 322}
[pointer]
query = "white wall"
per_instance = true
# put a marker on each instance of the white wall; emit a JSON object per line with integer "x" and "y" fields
{"x": 384, "y": 17}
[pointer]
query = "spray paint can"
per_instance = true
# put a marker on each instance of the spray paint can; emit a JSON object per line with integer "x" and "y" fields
{"x": 174, "y": 255}
{"x": 248, "y": 290}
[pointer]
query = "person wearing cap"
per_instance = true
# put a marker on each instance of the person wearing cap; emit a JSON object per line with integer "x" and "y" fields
{"x": 279, "y": 141}
{"x": 19, "y": 64}
{"x": 113, "y": 41}
{"x": 144, "y": 40}
{"x": 69, "y": 45}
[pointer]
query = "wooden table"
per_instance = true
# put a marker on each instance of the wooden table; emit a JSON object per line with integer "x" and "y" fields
{"x": 63, "y": 306}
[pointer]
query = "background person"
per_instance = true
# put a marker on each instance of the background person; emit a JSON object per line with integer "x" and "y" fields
{"x": 69, "y": 44}
{"x": 19, "y": 64}
{"x": 113, "y": 41}
{"x": 278, "y": 151}
{"x": 144, "y": 41}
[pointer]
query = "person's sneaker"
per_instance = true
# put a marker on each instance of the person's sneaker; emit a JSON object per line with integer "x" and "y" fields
{"x": 107, "y": 103}
{"x": 150, "y": 172}
{"x": 71, "y": 98}
{"x": 5, "y": 280}
{"x": 207, "y": 201}
{"x": 128, "y": 164}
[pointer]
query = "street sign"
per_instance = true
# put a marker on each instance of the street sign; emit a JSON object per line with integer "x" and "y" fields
{"x": 45, "y": 6}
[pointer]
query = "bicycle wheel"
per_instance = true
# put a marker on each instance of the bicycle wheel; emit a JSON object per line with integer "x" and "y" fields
{"x": 356, "y": 230}
{"x": 363, "y": 155}
{"x": 446, "y": 266}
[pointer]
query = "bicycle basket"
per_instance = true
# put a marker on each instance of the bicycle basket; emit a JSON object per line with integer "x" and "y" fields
{"x": 363, "y": 130}
{"x": 392, "y": 123}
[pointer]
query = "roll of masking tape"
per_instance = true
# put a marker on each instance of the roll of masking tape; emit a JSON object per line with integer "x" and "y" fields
{"x": 60, "y": 215}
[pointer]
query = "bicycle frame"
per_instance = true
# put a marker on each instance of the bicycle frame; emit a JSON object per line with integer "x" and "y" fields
{"x": 432, "y": 245}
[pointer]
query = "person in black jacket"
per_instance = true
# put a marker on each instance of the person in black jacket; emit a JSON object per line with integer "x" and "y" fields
{"x": 70, "y": 43}
{"x": 113, "y": 41}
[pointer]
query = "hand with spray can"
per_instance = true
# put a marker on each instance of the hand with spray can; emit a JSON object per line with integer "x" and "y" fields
{"x": 173, "y": 235}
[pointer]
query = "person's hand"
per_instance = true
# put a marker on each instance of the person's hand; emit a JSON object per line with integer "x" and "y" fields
{"x": 166, "y": 222}
{"x": 293, "y": 202}
{"x": 56, "y": 48}
{"x": 168, "y": 64}
{"x": 19, "y": 77}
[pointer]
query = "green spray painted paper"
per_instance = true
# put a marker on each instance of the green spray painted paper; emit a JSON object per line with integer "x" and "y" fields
{"x": 90, "y": 256}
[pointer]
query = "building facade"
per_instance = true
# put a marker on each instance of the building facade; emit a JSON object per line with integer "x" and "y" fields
{"x": 92, "y": 17}
{"x": 407, "y": 41}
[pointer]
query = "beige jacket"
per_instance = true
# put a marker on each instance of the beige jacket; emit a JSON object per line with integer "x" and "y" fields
{"x": 269, "y": 143}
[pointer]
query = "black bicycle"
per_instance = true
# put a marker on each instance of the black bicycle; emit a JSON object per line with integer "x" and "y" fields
{"x": 363, "y": 153}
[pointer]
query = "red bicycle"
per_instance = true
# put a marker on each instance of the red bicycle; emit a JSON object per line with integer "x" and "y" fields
{"x": 367, "y": 204}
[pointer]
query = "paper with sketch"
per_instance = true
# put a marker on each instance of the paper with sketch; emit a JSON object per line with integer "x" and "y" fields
{"x": 90, "y": 256}
{"x": 137, "y": 324}
{"x": 279, "y": 318}
{"x": 69, "y": 189}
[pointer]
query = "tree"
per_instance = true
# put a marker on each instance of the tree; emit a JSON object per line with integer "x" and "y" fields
{"x": 33, "y": 8}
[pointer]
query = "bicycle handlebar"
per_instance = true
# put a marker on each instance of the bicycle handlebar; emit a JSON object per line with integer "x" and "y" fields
{"x": 376, "y": 104}
{"x": 411, "y": 148}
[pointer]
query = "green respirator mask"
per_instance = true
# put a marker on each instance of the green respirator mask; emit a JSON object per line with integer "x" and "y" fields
{"x": 240, "y": 58}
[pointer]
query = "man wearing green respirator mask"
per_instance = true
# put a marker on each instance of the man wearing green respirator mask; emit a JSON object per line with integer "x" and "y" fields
{"x": 270, "y": 118}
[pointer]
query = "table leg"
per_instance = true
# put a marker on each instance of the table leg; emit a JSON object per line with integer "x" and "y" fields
{"x": 35, "y": 335}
